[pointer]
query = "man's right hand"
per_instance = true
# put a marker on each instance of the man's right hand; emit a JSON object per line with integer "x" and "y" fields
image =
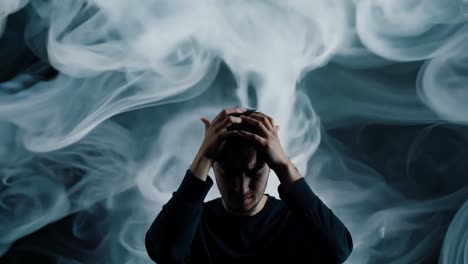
{"x": 215, "y": 133}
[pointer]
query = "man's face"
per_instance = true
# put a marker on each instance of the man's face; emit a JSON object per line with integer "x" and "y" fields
{"x": 241, "y": 184}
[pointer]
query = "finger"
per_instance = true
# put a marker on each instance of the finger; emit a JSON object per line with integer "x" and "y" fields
{"x": 257, "y": 124}
{"x": 226, "y": 112}
{"x": 252, "y": 137}
{"x": 205, "y": 121}
{"x": 228, "y": 134}
{"x": 229, "y": 120}
{"x": 266, "y": 120}
{"x": 273, "y": 122}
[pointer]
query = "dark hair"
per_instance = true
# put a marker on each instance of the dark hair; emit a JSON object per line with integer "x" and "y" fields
{"x": 236, "y": 145}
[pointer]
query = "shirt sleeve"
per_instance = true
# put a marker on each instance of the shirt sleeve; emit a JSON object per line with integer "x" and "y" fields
{"x": 170, "y": 236}
{"x": 305, "y": 204}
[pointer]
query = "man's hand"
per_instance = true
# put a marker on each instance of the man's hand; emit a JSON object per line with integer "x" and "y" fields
{"x": 268, "y": 142}
{"x": 215, "y": 133}
{"x": 266, "y": 139}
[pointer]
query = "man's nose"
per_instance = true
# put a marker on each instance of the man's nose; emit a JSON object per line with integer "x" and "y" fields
{"x": 242, "y": 185}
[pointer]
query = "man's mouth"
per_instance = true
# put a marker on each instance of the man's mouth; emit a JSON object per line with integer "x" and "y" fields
{"x": 245, "y": 197}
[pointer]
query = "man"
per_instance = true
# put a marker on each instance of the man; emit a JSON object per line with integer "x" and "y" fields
{"x": 245, "y": 225}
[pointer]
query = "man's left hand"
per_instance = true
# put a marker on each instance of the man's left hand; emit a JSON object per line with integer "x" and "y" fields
{"x": 266, "y": 138}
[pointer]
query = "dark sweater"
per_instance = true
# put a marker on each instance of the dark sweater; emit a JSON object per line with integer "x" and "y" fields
{"x": 299, "y": 228}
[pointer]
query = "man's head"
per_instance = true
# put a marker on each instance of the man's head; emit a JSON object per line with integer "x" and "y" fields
{"x": 241, "y": 172}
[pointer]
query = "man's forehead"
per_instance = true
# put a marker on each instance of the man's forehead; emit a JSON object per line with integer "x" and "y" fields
{"x": 237, "y": 164}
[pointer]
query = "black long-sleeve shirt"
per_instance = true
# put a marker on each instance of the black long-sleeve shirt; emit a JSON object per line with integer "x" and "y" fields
{"x": 299, "y": 228}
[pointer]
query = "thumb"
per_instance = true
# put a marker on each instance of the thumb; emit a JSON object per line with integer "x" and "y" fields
{"x": 205, "y": 121}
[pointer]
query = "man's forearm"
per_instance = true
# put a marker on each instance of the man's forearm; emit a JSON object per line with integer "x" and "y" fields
{"x": 300, "y": 198}
{"x": 288, "y": 174}
{"x": 201, "y": 166}
{"x": 172, "y": 232}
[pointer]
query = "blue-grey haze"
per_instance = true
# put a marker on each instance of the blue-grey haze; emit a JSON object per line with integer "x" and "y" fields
{"x": 100, "y": 103}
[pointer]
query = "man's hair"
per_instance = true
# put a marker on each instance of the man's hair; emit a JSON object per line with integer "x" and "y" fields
{"x": 236, "y": 146}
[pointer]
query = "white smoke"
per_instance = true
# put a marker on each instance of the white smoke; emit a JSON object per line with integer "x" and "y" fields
{"x": 106, "y": 141}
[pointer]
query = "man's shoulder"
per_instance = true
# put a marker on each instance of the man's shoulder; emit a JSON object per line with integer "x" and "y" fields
{"x": 213, "y": 208}
{"x": 276, "y": 203}
{"x": 213, "y": 203}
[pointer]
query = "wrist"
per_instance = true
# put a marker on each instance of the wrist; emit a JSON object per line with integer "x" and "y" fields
{"x": 282, "y": 167}
{"x": 201, "y": 166}
{"x": 288, "y": 174}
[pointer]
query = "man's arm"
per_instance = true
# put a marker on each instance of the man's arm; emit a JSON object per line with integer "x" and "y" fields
{"x": 170, "y": 236}
{"x": 302, "y": 201}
